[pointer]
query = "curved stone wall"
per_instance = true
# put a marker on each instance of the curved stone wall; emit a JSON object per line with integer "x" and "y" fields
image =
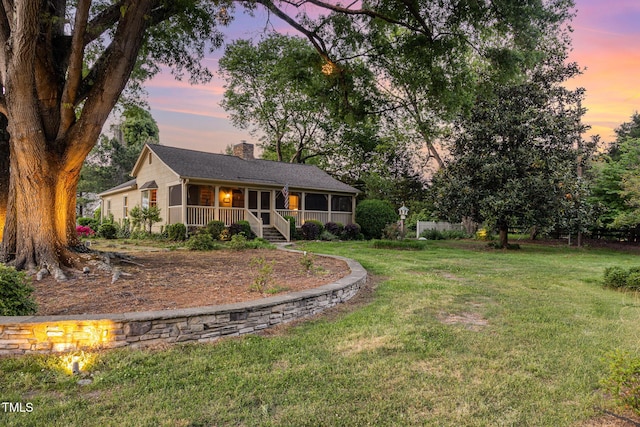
{"x": 51, "y": 334}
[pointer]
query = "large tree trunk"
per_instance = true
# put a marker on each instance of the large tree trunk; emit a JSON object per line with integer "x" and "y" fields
{"x": 503, "y": 234}
{"x": 4, "y": 171}
{"x": 48, "y": 141}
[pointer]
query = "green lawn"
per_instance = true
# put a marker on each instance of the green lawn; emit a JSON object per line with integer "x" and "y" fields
{"x": 455, "y": 335}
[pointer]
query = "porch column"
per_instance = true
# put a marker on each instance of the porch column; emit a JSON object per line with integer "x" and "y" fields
{"x": 303, "y": 207}
{"x": 185, "y": 219}
{"x": 272, "y": 204}
{"x": 329, "y": 208}
{"x": 216, "y": 203}
{"x": 353, "y": 209}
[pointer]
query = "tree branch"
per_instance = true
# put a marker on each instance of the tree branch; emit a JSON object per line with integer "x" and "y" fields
{"x": 74, "y": 72}
{"x": 105, "y": 19}
{"x": 377, "y": 15}
{"x": 315, "y": 40}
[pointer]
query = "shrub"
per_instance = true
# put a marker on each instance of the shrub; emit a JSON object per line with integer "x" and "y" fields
{"x": 443, "y": 235}
{"x": 238, "y": 242}
{"x": 483, "y": 234}
{"x": 311, "y": 229}
{"x": 177, "y": 232}
{"x": 125, "y": 229}
{"x": 292, "y": 226}
{"x": 432, "y": 235}
{"x": 334, "y": 228}
{"x": 108, "y": 230}
{"x": 15, "y": 293}
{"x": 454, "y": 234}
{"x": 241, "y": 227}
{"x": 84, "y": 231}
{"x": 392, "y": 232}
{"x": 89, "y": 222}
{"x": 215, "y": 228}
{"x": 328, "y": 236}
{"x": 373, "y": 215}
{"x": 615, "y": 277}
{"x": 140, "y": 235}
{"x": 633, "y": 281}
{"x": 352, "y": 232}
{"x": 201, "y": 242}
{"x": 265, "y": 274}
{"x": 623, "y": 382}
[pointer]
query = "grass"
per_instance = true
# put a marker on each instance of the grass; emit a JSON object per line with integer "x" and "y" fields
{"x": 456, "y": 335}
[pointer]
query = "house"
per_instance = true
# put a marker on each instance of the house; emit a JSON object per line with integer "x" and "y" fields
{"x": 194, "y": 187}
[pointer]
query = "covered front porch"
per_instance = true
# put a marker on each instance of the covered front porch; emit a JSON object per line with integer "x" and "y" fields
{"x": 196, "y": 204}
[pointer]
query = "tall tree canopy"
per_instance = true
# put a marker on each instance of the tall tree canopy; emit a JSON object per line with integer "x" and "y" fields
{"x": 515, "y": 157}
{"x": 64, "y": 64}
{"x": 616, "y": 178}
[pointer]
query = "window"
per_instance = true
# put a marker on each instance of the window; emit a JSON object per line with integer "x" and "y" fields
{"x": 125, "y": 208}
{"x": 316, "y": 202}
{"x": 175, "y": 195}
{"x": 153, "y": 198}
{"x": 341, "y": 204}
{"x": 200, "y": 195}
{"x": 253, "y": 199}
{"x": 294, "y": 201}
{"x": 149, "y": 198}
{"x": 238, "y": 199}
{"x": 108, "y": 210}
{"x": 265, "y": 200}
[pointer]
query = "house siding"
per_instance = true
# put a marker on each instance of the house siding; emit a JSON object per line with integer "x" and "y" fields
{"x": 171, "y": 166}
{"x": 156, "y": 171}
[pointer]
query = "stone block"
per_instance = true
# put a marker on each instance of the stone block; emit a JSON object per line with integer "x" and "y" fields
{"x": 133, "y": 329}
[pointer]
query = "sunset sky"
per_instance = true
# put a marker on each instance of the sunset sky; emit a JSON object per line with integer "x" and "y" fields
{"x": 606, "y": 41}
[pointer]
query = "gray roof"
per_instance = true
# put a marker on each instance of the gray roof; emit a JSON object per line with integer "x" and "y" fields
{"x": 125, "y": 185}
{"x": 149, "y": 184}
{"x": 221, "y": 167}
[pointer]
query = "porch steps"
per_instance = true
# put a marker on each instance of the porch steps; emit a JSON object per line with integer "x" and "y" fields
{"x": 272, "y": 235}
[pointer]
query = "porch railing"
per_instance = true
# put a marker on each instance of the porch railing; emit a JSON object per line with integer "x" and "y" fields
{"x": 281, "y": 224}
{"x": 255, "y": 223}
{"x": 322, "y": 216}
{"x": 231, "y": 215}
{"x": 342, "y": 217}
{"x": 200, "y": 215}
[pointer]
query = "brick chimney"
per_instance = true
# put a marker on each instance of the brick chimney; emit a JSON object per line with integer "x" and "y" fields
{"x": 244, "y": 151}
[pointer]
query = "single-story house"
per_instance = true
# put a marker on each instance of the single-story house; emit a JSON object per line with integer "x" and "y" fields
{"x": 194, "y": 187}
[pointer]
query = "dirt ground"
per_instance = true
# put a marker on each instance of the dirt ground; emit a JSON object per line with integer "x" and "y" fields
{"x": 165, "y": 280}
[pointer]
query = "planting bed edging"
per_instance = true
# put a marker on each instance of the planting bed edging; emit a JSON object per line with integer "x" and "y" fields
{"x": 52, "y": 334}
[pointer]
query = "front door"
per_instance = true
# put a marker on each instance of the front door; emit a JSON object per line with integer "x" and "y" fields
{"x": 265, "y": 207}
{"x": 260, "y": 205}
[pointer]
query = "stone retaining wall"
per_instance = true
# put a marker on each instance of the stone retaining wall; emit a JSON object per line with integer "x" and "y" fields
{"x": 50, "y": 334}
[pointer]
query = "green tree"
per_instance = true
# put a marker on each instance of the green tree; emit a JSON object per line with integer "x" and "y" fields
{"x": 112, "y": 159}
{"x": 277, "y": 88}
{"x": 145, "y": 217}
{"x": 614, "y": 176}
{"x": 65, "y": 65}
{"x": 515, "y": 157}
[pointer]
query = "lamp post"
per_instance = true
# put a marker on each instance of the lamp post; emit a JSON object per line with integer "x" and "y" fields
{"x": 403, "y": 211}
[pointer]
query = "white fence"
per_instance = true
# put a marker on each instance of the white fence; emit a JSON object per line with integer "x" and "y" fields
{"x": 438, "y": 226}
